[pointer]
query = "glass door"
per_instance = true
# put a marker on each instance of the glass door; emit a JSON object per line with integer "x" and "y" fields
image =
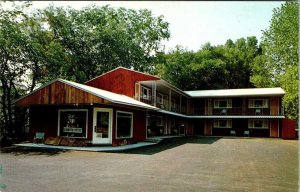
{"x": 102, "y": 126}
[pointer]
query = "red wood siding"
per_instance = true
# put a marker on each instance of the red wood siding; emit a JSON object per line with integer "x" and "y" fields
{"x": 208, "y": 127}
{"x": 274, "y": 128}
{"x": 139, "y": 126}
{"x": 45, "y": 119}
{"x": 120, "y": 81}
{"x": 288, "y": 129}
{"x": 274, "y": 105}
{"x": 59, "y": 93}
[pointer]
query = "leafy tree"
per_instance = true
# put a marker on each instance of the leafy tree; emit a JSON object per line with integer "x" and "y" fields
{"x": 73, "y": 44}
{"x": 97, "y": 39}
{"x": 212, "y": 67}
{"x": 278, "y": 64}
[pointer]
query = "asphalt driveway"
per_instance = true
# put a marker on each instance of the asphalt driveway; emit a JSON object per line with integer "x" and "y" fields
{"x": 180, "y": 164}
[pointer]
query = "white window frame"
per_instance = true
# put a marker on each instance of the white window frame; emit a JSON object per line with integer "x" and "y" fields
{"x": 228, "y": 103}
{"x": 216, "y": 123}
{"x": 265, "y": 124}
{"x": 147, "y": 96}
{"x": 160, "y": 98}
{"x": 86, "y": 123}
{"x": 131, "y": 129}
{"x": 251, "y": 103}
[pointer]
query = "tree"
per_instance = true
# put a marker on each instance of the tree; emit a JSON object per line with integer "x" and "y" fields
{"x": 77, "y": 45}
{"x": 211, "y": 67}
{"x": 278, "y": 65}
{"x": 97, "y": 39}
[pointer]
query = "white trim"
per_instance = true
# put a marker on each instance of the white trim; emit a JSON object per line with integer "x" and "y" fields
{"x": 131, "y": 130}
{"x": 86, "y": 123}
{"x": 110, "y": 126}
{"x": 148, "y": 95}
{"x": 222, "y": 116}
{"x": 107, "y": 95}
{"x": 249, "y": 92}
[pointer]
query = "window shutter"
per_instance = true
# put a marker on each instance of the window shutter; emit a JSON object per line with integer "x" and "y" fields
{"x": 265, "y": 103}
{"x": 250, "y": 123}
{"x": 216, "y": 123}
{"x": 216, "y": 104}
{"x": 229, "y": 123}
{"x": 229, "y": 103}
{"x": 251, "y": 103}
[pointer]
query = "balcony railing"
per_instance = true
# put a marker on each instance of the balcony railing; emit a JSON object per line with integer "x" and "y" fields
{"x": 214, "y": 111}
{"x": 239, "y": 111}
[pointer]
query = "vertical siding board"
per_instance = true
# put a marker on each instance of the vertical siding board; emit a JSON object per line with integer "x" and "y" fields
{"x": 274, "y": 128}
{"x": 120, "y": 81}
{"x": 274, "y": 105}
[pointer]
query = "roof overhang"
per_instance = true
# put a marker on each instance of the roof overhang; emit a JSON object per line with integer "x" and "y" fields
{"x": 222, "y": 116}
{"x": 248, "y": 92}
{"x": 112, "y": 98}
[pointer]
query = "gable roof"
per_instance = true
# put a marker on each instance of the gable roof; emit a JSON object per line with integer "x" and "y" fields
{"x": 126, "y": 69}
{"x": 109, "y": 96}
{"x": 237, "y": 92}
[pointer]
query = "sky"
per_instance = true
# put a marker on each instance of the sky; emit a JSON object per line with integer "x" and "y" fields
{"x": 194, "y": 23}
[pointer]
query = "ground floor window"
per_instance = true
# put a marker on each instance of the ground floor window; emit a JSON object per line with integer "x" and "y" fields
{"x": 258, "y": 124}
{"x": 124, "y": 124}
{"x": 222, "y": 123}
{"x": 72, "y": 123}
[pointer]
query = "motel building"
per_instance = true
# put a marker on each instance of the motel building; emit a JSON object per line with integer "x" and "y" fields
{"x": 124, "y": 106}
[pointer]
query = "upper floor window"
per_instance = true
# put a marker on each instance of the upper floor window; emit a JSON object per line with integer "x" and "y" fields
{"x": 223, "y": 103}
{"x": 160, "y": 98}
{"x": 145, "y": 93}
{"x": 222, "y": 123}
{"x": 258, "y": 103}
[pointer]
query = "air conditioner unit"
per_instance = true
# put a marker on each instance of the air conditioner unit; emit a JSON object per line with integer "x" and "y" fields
{"x": 257, "y": 111}
{"x": 224, "y": 112}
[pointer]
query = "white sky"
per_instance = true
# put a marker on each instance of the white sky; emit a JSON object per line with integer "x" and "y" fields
{"x": 193, "y": 23}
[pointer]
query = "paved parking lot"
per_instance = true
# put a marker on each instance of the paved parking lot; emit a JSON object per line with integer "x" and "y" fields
{"x": 180, "y": 164}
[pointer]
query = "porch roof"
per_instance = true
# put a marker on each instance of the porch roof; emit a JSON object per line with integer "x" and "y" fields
{"x": 223, "y": 116}
{"x": 248, "y": 92}
{"x": 103, "y": 94}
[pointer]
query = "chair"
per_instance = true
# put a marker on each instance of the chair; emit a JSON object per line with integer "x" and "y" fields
{"x": 39, "y": 137}
{"x": 232, "y": 133}
{"x": 246, "y": 133}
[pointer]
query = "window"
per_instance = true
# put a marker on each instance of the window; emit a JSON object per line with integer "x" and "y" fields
{"x": 124, "y": 124}
{"x": 148, "y": 120}
{"x": 258, "y": 124}
{"x": 223, "y": 103}
{"x": 160, "y": 121}
{"x": 222, "y": 123}
{"x": 258, "y": 103}
{"x": 160, "y": 98}
{"x": 72, "y": 123}
{"x": 145, "y": 93}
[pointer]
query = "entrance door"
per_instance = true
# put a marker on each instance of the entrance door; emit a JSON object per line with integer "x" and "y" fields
{"x": 102, "y": 126}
